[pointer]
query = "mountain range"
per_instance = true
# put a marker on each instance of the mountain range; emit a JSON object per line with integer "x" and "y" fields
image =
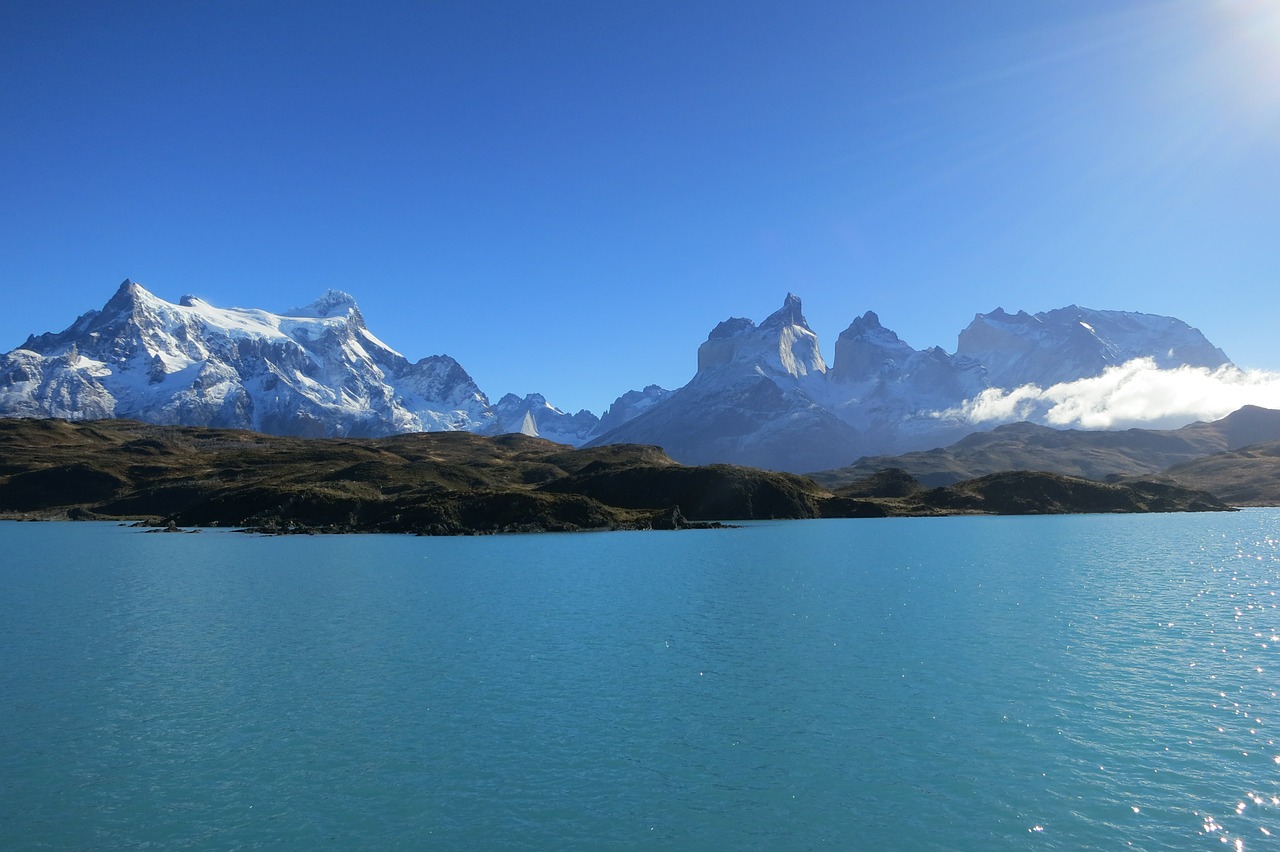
{"x": 314, "y": 371}
{"x": 762, "y": 394}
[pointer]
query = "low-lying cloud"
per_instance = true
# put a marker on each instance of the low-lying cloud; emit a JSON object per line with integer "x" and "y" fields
{"x": 1133, "y": 394}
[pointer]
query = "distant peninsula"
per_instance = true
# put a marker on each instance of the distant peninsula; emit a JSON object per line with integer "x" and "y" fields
{"x": 458, "y": 483}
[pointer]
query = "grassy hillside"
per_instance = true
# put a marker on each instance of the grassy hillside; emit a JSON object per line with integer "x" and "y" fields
{"x": 447, "y": 483}
{"x": 1249, "y": 476}
{"x": 1090, "y": 455}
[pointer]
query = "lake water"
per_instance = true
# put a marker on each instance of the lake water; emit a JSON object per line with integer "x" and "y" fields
{"x": 1084, "y": 682}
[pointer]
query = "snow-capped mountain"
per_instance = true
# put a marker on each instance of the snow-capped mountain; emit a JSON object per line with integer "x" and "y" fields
{"x": 764, "y": 396}
{"x": 311, "y": 371}
{"x": 315, "y": 370}
{"x": 751, "y": 402}
{"x": 629, "y": 406}
{"x": 890, "y": 391}
{"x": 783, "y": 346}
{"x": 1074, "y": 343}
{"x": 536, "y": 417}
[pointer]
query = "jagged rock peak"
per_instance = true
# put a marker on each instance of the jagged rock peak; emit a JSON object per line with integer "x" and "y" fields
{"x": 144, "y": 358}
{"x": 732, "y": 327}
{"x": 783, "y": 343}
{"x": 866, "y": 349}
{"x": 332, "y": 303}
{"x": 789, "y": 314}
{"x": 532, "y": 415}
{"x": 531, "y": 400}
{"x": 1003, "y": 316}
{"x": 126, "y": 296}
{"x": 866, "y": 324}
{"x": 867, "y": 329}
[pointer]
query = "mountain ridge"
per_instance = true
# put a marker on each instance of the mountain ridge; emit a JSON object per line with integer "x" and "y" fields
{"x": 762, "y": 395}
{"x": 315, "y": 370}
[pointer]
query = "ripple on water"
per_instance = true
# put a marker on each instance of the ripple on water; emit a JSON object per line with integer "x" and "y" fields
{"x": 962, "y": 683}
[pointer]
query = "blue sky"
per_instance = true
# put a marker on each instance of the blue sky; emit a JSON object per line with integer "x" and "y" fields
{"x": 567, "y": 196}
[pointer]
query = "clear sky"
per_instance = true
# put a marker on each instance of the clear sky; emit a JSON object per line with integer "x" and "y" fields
{"x": 567, "y": 196}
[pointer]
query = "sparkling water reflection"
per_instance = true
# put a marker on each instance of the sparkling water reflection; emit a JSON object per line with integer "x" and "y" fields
{"x": 958, "y": 683}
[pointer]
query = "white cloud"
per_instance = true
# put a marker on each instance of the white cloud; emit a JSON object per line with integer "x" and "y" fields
{"x": 1133, "y": 394}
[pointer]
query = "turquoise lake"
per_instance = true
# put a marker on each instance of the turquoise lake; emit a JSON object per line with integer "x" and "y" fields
{"x": 1084, "y": 682}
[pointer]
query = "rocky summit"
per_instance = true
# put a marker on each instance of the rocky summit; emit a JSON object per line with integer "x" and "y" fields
{"x": 764, "y": 396}
{"x": 315, "y": 371}
{"x": 312, "y": 371}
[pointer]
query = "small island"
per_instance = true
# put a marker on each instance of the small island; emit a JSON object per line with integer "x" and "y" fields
{"x": 458, "y": 483}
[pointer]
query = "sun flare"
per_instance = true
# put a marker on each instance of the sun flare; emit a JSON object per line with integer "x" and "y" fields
{"x": 1247, "y": 55}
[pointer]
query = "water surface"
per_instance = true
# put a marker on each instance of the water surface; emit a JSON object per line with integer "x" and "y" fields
{"x": 953, "y": 683}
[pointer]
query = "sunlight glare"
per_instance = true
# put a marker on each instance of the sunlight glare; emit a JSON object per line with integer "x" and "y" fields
{"x": 1249, "y": 56}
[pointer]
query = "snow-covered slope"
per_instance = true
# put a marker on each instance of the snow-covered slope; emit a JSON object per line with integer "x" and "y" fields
{"x": 629, "y": 406}
{"x": 891, "y": 392}
{"x": 751, "y": 401}
{"x": 764, "y": 396}
{"x": 783, "y": 347}
{"x": 534, "y": 416}
{"x": 1074, "y": 343}
{"x": 315, "y": 370}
